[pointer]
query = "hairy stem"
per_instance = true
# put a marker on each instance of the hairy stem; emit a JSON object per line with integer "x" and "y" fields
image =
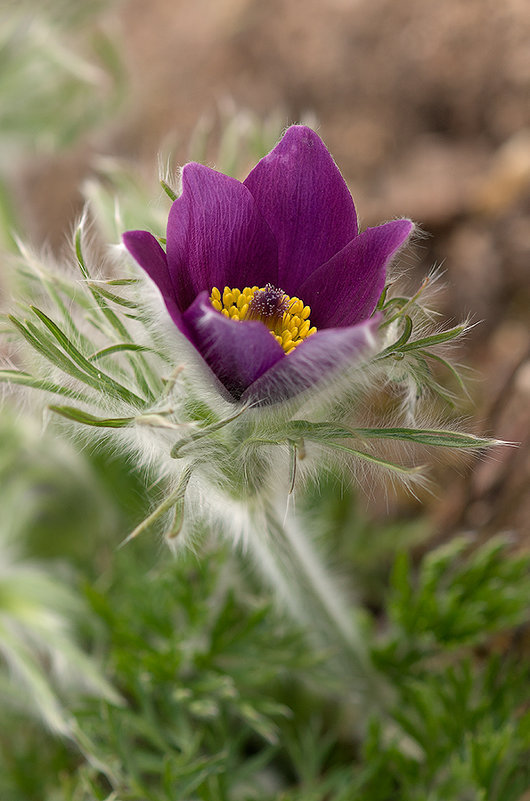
{"x": 305, "y": 588}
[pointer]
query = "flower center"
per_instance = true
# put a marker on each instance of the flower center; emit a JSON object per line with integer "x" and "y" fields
{"x": 286, "y": 318}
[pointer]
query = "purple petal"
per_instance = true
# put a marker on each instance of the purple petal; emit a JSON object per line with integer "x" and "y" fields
{"x": 147, "y": 251}
{"x": 346, "y": 289}
{"x": 217, "y": 237}
{"x": 150, "y": 256}
{"x": 320, "y": 357}
{"x": 302, "y": 195}
{"x": 238, "y": 352}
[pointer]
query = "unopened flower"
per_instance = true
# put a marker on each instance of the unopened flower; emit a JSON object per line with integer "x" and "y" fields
{"x": 270, "y": 279}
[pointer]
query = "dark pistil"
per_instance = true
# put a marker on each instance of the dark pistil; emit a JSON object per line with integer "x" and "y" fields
{"x": 268, "y": 305}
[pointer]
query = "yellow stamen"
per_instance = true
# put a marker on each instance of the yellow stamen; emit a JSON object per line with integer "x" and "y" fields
{"x": 288, "y": 323}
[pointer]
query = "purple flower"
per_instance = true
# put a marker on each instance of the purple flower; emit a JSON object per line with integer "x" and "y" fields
{"x": 270, "y": 279}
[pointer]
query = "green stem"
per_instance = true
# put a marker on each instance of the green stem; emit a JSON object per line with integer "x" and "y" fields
{"x": 299, "y": 577}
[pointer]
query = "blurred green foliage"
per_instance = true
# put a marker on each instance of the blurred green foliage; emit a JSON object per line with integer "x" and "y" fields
{"x": 226, "y": 699}
{"x": 61, "y": 75}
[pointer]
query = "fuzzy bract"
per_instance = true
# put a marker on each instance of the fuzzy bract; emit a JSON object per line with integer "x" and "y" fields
{"x": 270, "y": 279}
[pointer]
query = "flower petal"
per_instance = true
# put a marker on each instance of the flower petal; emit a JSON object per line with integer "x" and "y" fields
{"x": 345, "y": 290}
{"x": 151, "y": 257}
{"x": 321, "y": 356}
{"x": 302, "y": 195}
{"x": 238, "y": 352}
{"x": 217, "y": 237}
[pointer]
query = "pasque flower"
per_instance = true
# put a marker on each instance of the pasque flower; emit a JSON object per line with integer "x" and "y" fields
{"x": 270, "y": 279}
{"x": 275, "y": 288}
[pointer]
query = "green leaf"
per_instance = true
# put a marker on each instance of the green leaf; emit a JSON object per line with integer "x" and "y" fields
{"x": 32, "y": 335}
{"x": 179, "y": 496}
{"x": 112, "y": 386}
{"x": 405, "y": 336}
{"x": 118, "y": 348}
{"x": 448, "y": 366}
{"x": 174, "y": 499}
{"x": 204, "y": 432}
{"x": 325, "y": 432}
{"x": 122, "y": 281}
{"x": 428, "y": 436}
{"x": 434, "y": 339}
{"x": 200, "y": 770}
{"x": 402, "y": 345}
{"x": 399, "y": 302}
{"x": 25, "y": 379}
{"x": 129, "y": 304}
{"x": 368, "y": 457}
{"x": 78, "y": 242}
{"x": 80, "y": 416}
{"x": 322, "y": 432}
{"x": 168, "y": 190}
{"x": 140, "y": 370}
{"x": 382, "y": 298}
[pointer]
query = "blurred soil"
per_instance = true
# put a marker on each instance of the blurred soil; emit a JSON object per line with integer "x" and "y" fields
{"x": 425, "y": 107}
